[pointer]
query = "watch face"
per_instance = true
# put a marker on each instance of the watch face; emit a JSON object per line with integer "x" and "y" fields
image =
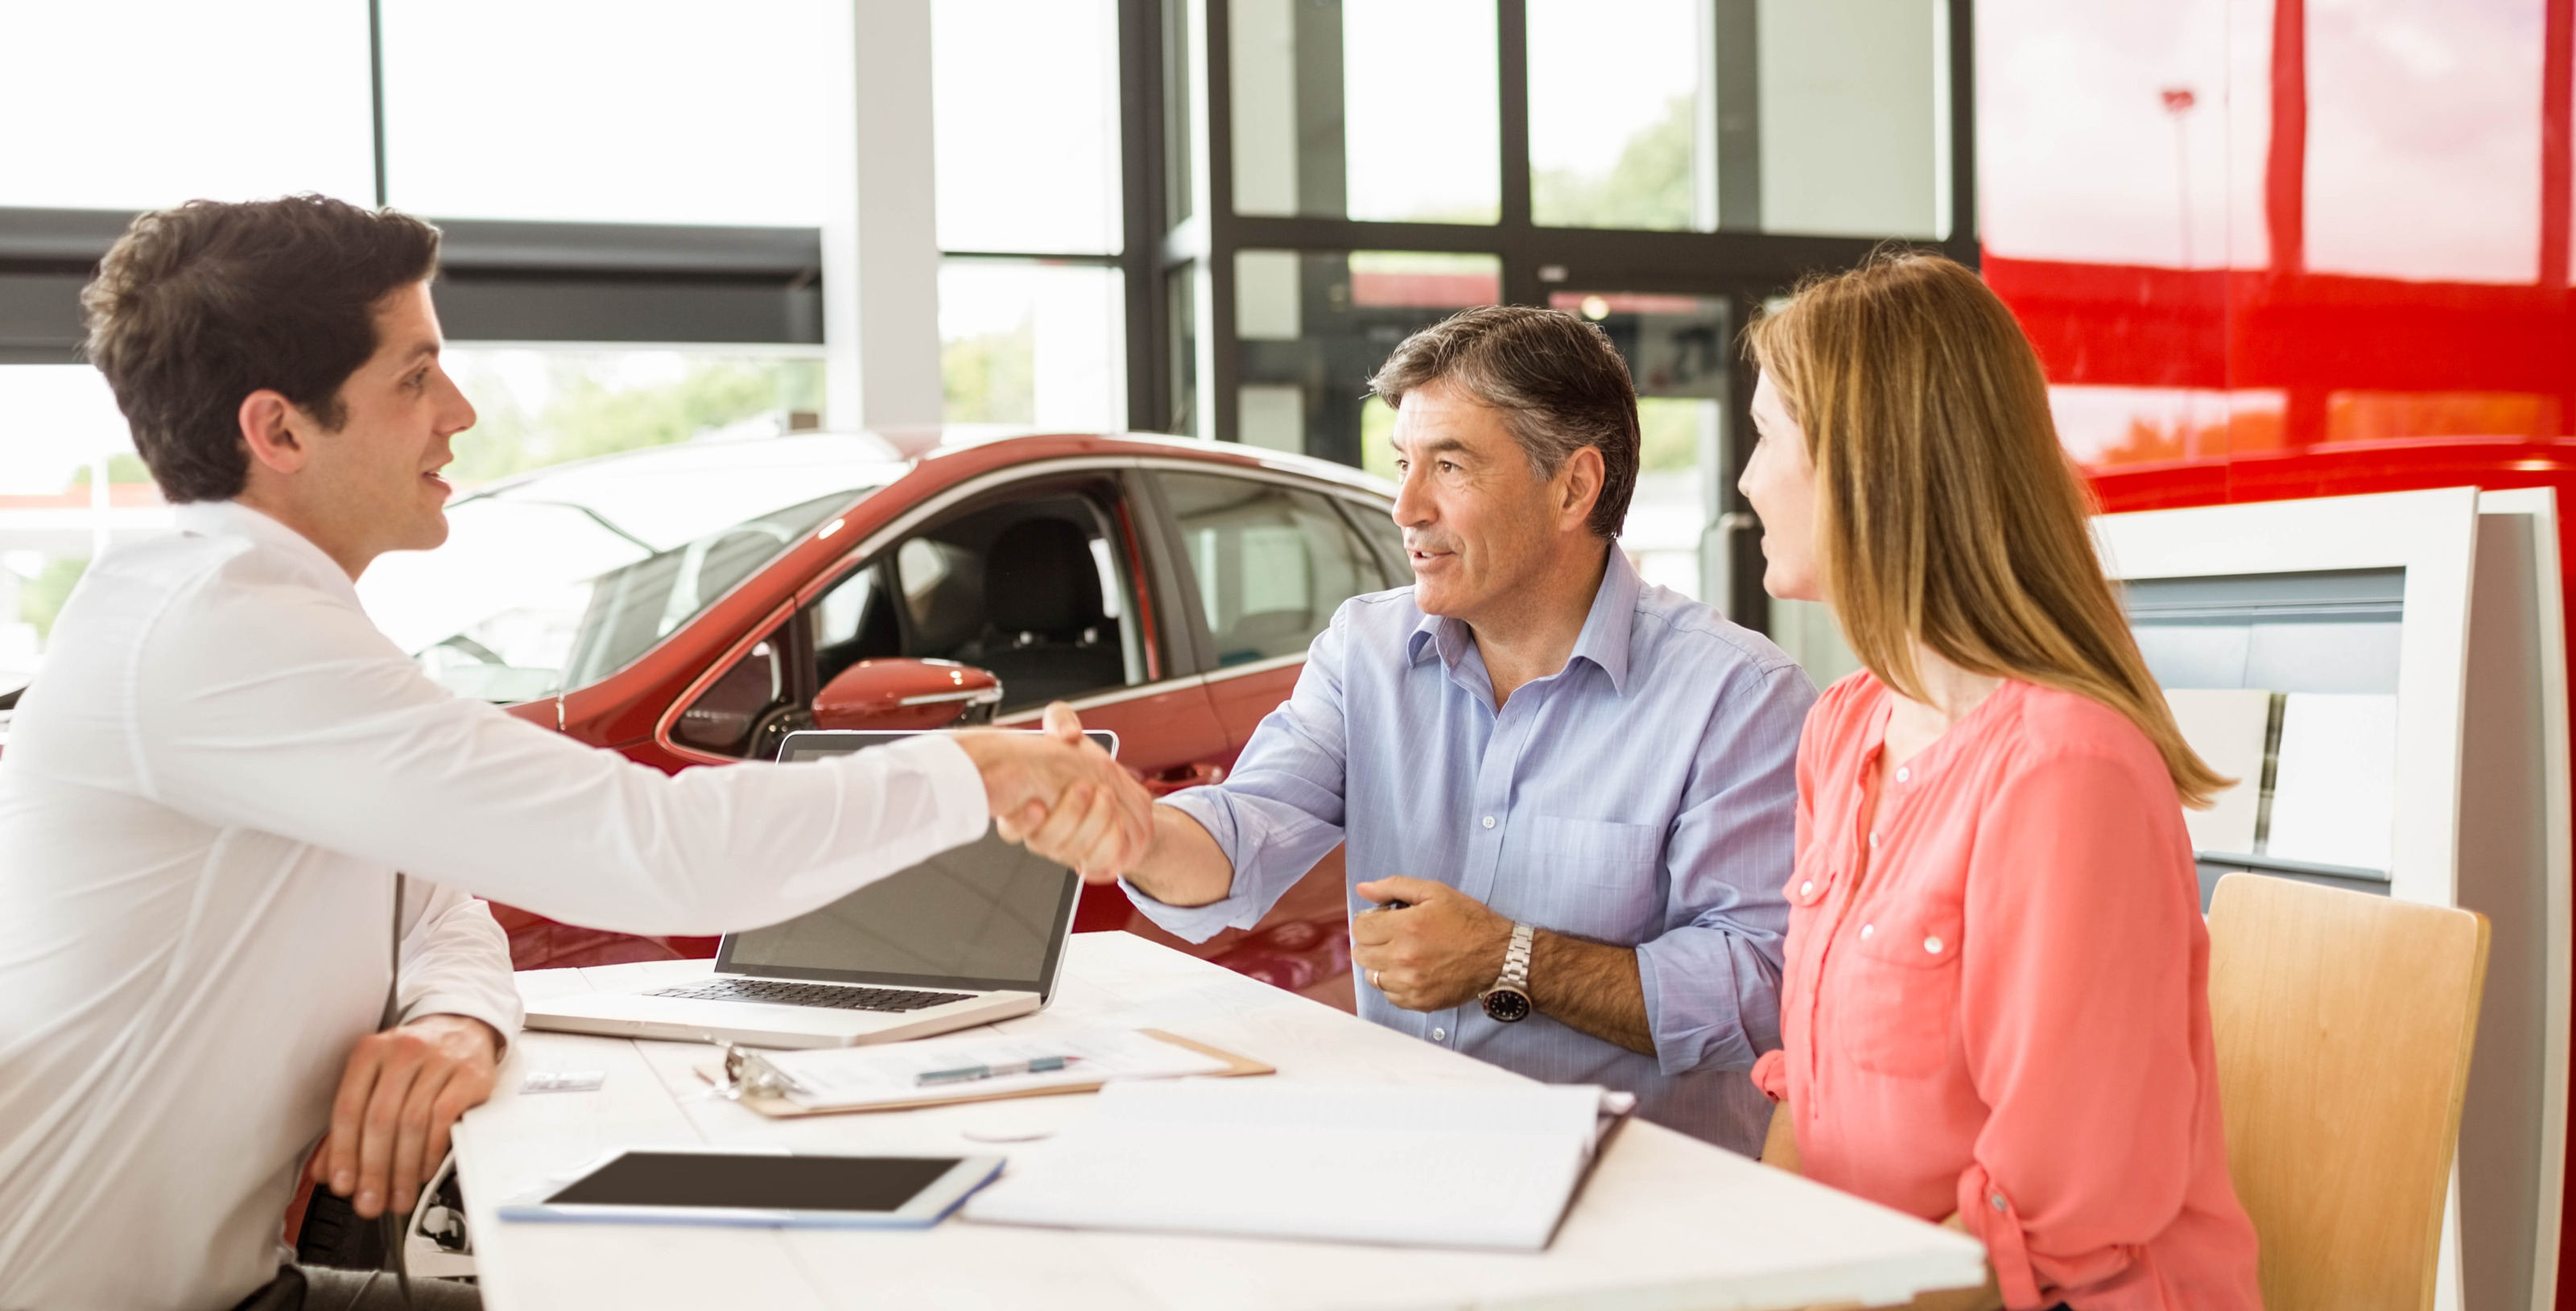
{"x": 1507, "y": 1004}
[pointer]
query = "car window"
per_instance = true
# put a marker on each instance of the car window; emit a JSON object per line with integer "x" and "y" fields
{"x": 1033, "y": 589}
{"x": 1268, "y": 563}
{"x": 559, "y": 578}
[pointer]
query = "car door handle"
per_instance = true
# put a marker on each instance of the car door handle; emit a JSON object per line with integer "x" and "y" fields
{"x": 1197, "y": 773}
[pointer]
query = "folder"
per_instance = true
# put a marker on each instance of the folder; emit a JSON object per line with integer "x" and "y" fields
{"x": 1482, "y": 1166}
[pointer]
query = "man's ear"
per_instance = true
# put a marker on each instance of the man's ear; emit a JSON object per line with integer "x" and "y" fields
{"x": 268, "y": 421}
{"x": 1580, "y": 481}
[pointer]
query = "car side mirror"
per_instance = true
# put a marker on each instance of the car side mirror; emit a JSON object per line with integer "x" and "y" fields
{"x": 908, "y": 694}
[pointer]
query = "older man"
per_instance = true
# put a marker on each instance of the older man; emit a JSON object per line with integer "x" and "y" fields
{"x": 1569, "y": 797}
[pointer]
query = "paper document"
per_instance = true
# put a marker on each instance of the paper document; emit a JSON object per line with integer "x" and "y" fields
{"x": 2225, "y": 727}
{"x": 1483, "y": 1167}
{"x": 2334, "y": 790}
{"x": 854, "y": 1076}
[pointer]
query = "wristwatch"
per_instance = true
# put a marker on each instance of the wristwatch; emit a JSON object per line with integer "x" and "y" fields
{"x": 1508, "y": 1000}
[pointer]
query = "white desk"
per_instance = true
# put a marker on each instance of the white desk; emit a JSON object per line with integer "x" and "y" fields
{"x": 1666, "y": 1221}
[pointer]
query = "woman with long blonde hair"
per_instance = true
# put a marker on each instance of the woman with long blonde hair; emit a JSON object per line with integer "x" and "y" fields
{"x": 1995, "y": 1006}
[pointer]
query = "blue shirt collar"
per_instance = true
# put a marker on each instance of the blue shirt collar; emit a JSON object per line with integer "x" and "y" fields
{"x": 1603, "y": 641}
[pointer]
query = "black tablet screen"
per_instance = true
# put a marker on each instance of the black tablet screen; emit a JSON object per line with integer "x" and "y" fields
{"x": 759, "y": 1183}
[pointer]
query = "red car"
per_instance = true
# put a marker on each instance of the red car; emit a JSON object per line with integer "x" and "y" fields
{"x": 689, "y": 605}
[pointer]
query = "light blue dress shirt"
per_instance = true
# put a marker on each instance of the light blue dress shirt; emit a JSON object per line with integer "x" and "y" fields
{"x": 1645, "y": 795}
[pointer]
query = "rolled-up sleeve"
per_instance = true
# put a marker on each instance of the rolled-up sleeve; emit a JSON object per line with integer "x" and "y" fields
{"x": 2076, "y": 1021}
{"x": 1712, "y": 981}
{"x": 456, "y": 960}
{"x": 1281, "y": 809}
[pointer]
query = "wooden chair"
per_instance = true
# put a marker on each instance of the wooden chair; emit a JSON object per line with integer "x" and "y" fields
{"x": 2343, "y": 1024}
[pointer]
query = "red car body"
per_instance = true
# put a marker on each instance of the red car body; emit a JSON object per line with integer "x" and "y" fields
{"x": 1183, "y": 724}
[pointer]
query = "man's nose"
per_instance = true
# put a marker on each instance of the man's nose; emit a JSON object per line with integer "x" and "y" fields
{"x": 1412, "y": 506}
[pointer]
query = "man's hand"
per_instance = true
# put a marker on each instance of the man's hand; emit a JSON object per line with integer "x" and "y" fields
{"x": 1063, "y": 796}
{"x": 399, "y": 1094}
{"x": 1443, "y": 949}
{"x": 1101, "y": 826}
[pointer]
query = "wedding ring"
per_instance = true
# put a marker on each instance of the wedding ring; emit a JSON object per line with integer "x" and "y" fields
{"x": 1373, "y": 981}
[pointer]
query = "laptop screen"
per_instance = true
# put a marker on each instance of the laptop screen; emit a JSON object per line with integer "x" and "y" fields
{"x": 984, "y": 916}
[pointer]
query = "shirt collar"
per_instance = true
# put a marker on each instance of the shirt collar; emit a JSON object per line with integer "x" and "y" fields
{"x": 234, "y": 519}
{"x": 1603, "y": 641}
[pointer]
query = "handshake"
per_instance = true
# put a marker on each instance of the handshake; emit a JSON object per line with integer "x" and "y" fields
{"x": 1061, "y": 796}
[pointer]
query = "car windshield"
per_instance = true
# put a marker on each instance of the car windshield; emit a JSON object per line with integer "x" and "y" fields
{"x": 557, "y": 579}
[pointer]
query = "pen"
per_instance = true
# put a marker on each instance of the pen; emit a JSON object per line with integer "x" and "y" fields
{"x": 964, "y": 1074}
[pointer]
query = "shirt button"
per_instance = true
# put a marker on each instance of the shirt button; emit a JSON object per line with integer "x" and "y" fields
{"x": 1439, "y": 1035}
{"x": 1807, "y": 889}
{"x": 1489, "y": 821}
{"x": 1932, "y": 945}
{"x": 1867, "y": 930}
{"x": 1903, "y": 774}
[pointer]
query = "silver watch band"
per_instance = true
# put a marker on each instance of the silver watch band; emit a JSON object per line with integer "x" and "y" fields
{"x": 1516, "y": 959}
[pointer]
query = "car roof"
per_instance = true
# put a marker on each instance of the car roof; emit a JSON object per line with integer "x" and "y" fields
{"x": 896, "y": 450}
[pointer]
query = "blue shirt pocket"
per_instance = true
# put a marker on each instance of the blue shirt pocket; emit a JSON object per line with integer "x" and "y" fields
{"x": 1593, "y": 878}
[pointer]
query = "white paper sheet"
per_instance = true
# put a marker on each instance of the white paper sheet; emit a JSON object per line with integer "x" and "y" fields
{"x": 2334, "y": 788}
{"x": 868, "y": 1076}
{"x": 1482, "y": 1167}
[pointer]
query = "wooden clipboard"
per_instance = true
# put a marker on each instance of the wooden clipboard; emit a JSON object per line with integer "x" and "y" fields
{"x": 783, "y": 1109}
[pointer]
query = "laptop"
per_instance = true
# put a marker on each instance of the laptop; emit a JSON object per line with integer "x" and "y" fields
{"x": 971, "y": 936}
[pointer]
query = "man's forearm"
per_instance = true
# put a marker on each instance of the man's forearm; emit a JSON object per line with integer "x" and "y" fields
{"x": 1185, "y": 866}
{"x": 1591, "y": 986}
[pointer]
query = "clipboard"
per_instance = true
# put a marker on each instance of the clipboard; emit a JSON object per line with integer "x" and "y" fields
{"x": 779, "y": 1107}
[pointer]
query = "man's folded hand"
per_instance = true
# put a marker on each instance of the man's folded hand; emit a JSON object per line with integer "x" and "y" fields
{"x": 401, "y": 1091}
{"x": 1063, "y": 797}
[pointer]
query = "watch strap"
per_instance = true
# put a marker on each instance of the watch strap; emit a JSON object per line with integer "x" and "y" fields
{"x": 1516, "y": 959}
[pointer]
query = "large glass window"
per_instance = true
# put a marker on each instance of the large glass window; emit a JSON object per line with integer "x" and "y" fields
{"x": 1366, "y": 109}
{"x": 1620, "y": 114}
{"x": 648, "y": 111}
{"x": 1026, "y": 120}
{"x": 1314, "y": 325}
{"x": 145, "y": 103}
{"x": 1026, "y": 342}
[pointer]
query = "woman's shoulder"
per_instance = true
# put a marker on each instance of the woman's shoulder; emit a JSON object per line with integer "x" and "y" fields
{"x": 2051, "y": 726}
{"x": 1844, "y": 712}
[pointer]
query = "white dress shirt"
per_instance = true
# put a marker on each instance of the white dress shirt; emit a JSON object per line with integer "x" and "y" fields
{"x": 203, "y": 802}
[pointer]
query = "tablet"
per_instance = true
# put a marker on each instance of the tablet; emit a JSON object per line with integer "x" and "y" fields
{"x": 703, "y": 1187}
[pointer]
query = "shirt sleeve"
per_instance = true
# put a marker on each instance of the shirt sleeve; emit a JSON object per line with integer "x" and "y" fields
{"x": 456, "y": 960}
{"x": 2075, "y": 1014}
{"x": 276, "y": 709}
{"x": 1712, "y": 982}
{"x": 1281, "y": 809}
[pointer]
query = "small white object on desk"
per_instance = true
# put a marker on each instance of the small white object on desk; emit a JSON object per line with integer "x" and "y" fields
{"x": 555, "y": 1081}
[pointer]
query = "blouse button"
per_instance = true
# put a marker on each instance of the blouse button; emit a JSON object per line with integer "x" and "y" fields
{"x": 1903, "y": 775}
{"x": 1807, "y": 889}
{"x": 1932, "y": 945}
{"x": 1998, "y": 1200}
{"x": 1866, "y": 930}
{"x": 1873, "y": 842}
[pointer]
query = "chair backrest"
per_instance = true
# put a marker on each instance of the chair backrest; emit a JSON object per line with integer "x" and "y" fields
{"x": 2343, "y": 1024}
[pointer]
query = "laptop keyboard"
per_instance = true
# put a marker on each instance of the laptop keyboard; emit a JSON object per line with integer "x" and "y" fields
{"x": 787, "y": 992}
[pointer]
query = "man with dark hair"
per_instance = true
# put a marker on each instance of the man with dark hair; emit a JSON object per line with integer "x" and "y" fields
{"x": 210, "y": 790}
{"x": 1568, "y": 797}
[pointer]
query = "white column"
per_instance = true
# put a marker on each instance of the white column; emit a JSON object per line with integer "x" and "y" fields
{"x": 881, "y": 255}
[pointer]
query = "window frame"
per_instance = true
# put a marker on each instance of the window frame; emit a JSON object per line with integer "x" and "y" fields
{"x": 1162, "y": 39}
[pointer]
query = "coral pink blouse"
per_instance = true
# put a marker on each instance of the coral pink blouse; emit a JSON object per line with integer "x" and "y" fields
{"x": 1996, "y": 999}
